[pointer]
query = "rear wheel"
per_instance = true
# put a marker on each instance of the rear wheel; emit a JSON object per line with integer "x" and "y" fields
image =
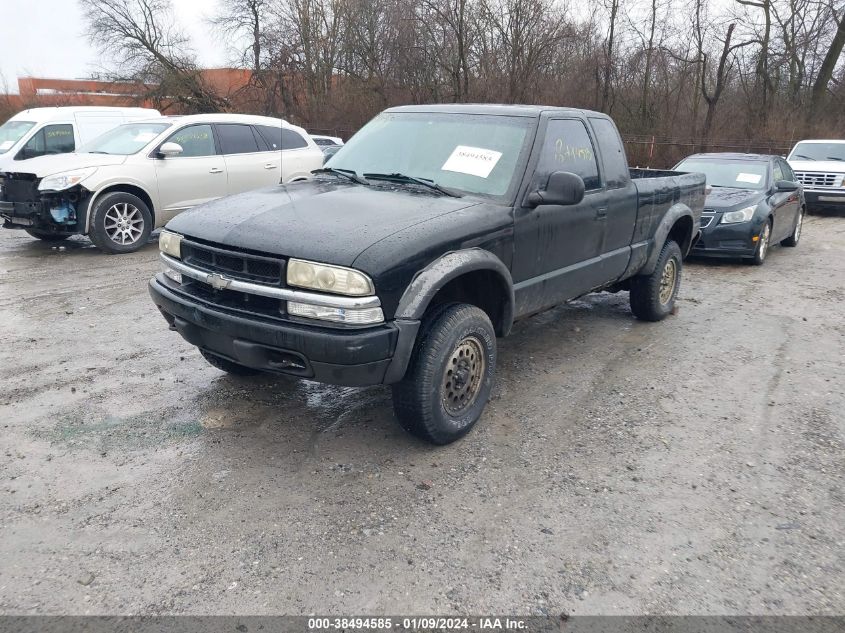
{"x": 450, "y": 375}
{"x": 120, "y": 223}
{"x": 230, "y": 367}
{"x": 46, "y": 235}
{"x": 792, "y": 240}
{"x": 653, "y": 296}
{"x": 763, "y": 243}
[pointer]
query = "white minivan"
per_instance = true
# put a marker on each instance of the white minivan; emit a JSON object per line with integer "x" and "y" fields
{"x": 136, "y": 177}
{"x": 41, "y": 131}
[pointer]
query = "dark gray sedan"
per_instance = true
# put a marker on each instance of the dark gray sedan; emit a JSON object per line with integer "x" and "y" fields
{"x": 753, "y": 202}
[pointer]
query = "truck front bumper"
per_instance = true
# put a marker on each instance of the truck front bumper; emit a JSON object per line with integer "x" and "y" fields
{"x": 351, "y": 357}
{"x": 825, "y": 198}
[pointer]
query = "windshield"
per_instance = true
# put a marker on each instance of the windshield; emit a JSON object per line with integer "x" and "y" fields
{"x": 728, "y": 173}
{"x": 11, "y": 132}
{"x": 818, "y": 151}
{"x": 471, "y": 153}
{"x": 125, "y": 139}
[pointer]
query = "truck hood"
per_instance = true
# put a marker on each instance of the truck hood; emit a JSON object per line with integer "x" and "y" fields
{"x": 724, "y": 198}
{"x": 326, "y": 221}
{"x": 48, "y": 165}
{"x": 828, "y": 166}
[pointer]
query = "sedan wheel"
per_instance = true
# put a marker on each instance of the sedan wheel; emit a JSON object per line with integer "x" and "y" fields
{"x": 763, "y": 244}
{"x": 124, "y": 223}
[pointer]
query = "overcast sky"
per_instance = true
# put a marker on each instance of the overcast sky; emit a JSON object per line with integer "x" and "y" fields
{"x": 46, "y": 38}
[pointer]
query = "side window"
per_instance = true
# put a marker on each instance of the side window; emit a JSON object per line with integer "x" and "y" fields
{"x": 616, "y": 172}
{"x": 292, "y": 140}
{"x": 788, "y": 174}
{"x": 51, "y": 139}
{"x": 568, "y": 148}
{"x": 777, "y": 173}
{"x": 196, "y": 140}
{"x": 271, "y": 135}
{"x": 236, "y": 139}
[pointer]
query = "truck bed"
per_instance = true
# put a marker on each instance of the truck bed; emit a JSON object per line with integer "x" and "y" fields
{"x": 660, "y": 189}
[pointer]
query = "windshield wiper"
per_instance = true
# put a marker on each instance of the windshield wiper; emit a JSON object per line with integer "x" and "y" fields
{"x": 834, "y": 158}
{"x": 99, "y": 152}
{"x": 802, "y": 156}
{"x": 425, "y": 182}
{"x": 346, "y": 173}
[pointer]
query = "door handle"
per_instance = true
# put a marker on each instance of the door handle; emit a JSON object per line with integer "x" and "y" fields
{"x": 215, "y": 170}
{"x": 270, "y": 166}
{"x": 601, "y": 213}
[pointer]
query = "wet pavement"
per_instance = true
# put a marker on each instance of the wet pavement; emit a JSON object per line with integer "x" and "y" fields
{"x": 689, "y": 466}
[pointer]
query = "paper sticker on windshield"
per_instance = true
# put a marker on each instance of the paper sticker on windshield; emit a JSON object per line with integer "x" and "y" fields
{"x": 474, "y": 161}
{"x": 753, "y": 179}
{"x": 6, "y": 145}
{"x": 145, "y": 137}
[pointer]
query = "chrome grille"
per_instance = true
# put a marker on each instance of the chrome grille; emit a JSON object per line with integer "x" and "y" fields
{"x": 234, "y": 264}
{"x": 818, "y": 179}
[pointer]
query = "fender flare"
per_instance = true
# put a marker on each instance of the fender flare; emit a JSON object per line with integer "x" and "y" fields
{"x": 425, "y": 284}
{"x": 675, "y": 213}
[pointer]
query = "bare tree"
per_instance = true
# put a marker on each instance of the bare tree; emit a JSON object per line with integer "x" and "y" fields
{"x": 147, "y": 47}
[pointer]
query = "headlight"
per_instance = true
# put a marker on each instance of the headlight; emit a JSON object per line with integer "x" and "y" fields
{"x": 170, "y": 244}
{"x": 743, "y": 215}
{"x": 360, "y": 316}
{"x": 336, "y": 279}
{"x": 65, "y": 180}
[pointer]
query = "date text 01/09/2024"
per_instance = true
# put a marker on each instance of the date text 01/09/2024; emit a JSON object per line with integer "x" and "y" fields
{"x": 414, "y": 623}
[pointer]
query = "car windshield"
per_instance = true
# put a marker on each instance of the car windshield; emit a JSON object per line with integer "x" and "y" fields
{"x": 11, "y": 132}
{"x": 126, "y": 139}
{"x": 728, "y": 173}
{"x": 818, "y": 151}
{"x": 471, "y": 153}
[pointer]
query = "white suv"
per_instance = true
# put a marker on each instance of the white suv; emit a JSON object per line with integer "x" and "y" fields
{"x": 138, "y": 176}
{"x": 819, "y": 166}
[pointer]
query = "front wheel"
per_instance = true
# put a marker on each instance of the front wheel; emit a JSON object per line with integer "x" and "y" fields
{"x": 792, "y": 240}
{"x": 120, "y": 223}
{"x": 450, "y": 375}
{"x": 763, "y": 243}
{"x": 653, "y": 296}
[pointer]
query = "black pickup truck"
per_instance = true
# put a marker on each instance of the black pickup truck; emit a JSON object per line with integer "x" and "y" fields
{"x": 423, "y": 239}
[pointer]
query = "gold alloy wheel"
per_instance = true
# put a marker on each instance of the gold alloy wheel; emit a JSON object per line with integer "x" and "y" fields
{"x": 668, "y": 281}
{"x": 462, "y": 379}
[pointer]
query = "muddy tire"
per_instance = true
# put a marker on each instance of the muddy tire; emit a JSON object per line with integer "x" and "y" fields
{"x": 450, "y": 375}
{"x": 120, "y": 223}
{"x": 230, "y": 367}
{"x": 763, "y": 244}
{"x": 46, "y": 235}
{"x": 653, "y": 296}
{"x": 792, "y": 240}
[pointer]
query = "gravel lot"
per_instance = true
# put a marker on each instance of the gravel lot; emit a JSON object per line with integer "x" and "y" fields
{"x": 689, "y": 466}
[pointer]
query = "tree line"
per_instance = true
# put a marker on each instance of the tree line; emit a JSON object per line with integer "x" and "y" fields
{"x": 707, "y": 72}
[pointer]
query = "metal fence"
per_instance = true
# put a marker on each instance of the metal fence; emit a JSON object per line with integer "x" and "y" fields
{"x": 663, "y": 153}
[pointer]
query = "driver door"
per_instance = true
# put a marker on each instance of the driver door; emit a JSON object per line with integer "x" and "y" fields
{"x": 195, "y": 176}
{"x": 557, "y": 249}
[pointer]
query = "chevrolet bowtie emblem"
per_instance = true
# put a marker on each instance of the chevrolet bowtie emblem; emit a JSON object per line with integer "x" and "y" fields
{"x": 219, "y": 282}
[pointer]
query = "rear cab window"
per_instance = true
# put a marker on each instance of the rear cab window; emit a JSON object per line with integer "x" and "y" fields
{"x": 616, "y": 172}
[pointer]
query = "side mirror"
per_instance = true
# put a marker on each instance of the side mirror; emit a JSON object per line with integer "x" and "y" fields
{"x": 563, "y": 188}
{"x": 170, "y": 149}
{"x": 786, "y": 185}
